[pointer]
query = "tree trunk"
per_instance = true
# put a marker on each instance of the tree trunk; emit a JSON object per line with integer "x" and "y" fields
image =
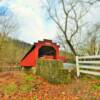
{"x": 71, "y": 47}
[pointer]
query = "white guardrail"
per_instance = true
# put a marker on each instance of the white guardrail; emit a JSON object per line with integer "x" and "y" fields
{"x": 88, "y": 65}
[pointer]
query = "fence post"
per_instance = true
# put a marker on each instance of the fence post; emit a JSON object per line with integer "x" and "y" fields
{"x": 77, "y": 66}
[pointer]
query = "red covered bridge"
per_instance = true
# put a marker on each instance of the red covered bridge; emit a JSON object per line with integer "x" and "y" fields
{"x": 46, "y": 49}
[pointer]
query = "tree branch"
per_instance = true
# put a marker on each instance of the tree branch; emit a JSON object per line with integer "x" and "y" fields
{"x": 56, "y": 21}
{"x": 77, "y": 25}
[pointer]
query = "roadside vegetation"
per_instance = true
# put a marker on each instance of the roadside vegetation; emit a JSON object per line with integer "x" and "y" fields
{"x": 12, "y": 51}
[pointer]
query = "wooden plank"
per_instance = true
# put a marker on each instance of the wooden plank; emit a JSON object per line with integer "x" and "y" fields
{"x": 93, "y": 60}
{"x": 90, "y": 67}
{"x": 77, "y": 66}
{"x": 90, "y": 72}
{"x": 89, "y": 62}
{"x": 91, "y": 57}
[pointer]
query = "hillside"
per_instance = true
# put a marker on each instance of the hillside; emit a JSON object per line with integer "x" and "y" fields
{"x": 12, "y": 51}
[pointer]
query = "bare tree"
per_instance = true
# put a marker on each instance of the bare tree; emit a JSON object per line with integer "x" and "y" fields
{"x": 91, "y": 44}
{"x": 8, "y": 25}
{"x": 68, "y": 16}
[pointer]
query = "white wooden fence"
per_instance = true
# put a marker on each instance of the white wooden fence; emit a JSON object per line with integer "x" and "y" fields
{"x": 88, "y": 65}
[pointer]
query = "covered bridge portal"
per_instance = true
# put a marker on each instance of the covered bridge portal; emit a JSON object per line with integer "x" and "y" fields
{"x": 46, "y": 49}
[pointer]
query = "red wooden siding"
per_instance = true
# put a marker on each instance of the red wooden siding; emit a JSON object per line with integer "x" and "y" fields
{"x": 32, "y": 56}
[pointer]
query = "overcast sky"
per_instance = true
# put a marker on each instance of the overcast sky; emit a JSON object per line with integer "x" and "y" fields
{"x": 32, "y": 20}
{"x": 33, "y": 23}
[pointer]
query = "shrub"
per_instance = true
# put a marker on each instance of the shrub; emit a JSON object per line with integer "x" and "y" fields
{"x": 52, "y": 71}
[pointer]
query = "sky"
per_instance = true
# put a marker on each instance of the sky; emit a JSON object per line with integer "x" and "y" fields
{"x": 33, "y": 24}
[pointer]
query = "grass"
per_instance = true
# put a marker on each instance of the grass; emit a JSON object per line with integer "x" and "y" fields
{"x": 35, "y": 98}
{"x": 95, "y": 86}
{"x": 9, "y": 88}
{"x": 26, "y": 88}
{"x": 26, "y": 84}
{"x": 97, "y": 77}
{"x": 29, "y": 78}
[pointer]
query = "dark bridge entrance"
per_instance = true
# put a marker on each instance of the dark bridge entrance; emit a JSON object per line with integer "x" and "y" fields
{"x": 47, "y": 51}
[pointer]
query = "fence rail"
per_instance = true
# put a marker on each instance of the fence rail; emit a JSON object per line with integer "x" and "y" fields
{"x": 88, "y": 65}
